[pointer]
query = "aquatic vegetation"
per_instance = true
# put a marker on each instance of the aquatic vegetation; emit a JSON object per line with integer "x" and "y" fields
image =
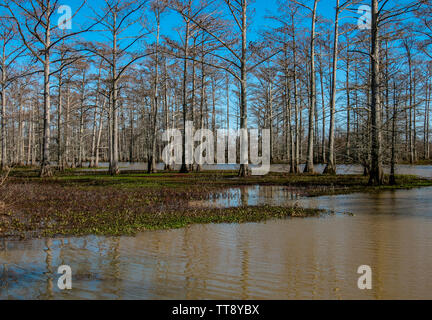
{"x": 76, "y": 203}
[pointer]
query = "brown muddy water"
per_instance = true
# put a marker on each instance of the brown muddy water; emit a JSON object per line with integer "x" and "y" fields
{"x": 298, "y": 258}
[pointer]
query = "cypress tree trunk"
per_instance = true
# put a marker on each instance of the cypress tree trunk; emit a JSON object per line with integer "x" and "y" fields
{"x": 310, "y": 152}
{"x": 376, "y": 173}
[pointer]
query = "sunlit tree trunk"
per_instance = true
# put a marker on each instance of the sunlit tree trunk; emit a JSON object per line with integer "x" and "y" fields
{"x": 376, "y": 171}
{"x": 114, "y": 154}
{"x": 155, "y": 106}
{"x": 312, "y": 107}
{"x": 45, "y": 162}
{"x": 184, "y": 168}
{"x": 3, "y": 162}
{"x": 331, "y": 164}
{"x": 244, "y": 168}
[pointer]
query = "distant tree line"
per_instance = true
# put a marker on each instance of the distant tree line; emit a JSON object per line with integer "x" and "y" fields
{"x": 339, "y": 90}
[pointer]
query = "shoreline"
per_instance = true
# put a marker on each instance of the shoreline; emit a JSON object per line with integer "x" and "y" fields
{"x": 79, "y": 204}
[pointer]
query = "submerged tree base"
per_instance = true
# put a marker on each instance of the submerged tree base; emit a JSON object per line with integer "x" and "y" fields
{"x": 45, "y": 171}
{"x": 244, "y": 171}
{"x": 330, "y": 169}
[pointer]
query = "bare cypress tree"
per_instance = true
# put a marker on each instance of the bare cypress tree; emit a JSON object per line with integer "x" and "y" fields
{"x": 376, "y": 171}
{"x": 309, "y": 168}
{"x": 9, "y": 55}
{"x": 184, "y": 167}
{"x": 41, "y": 36}
{"x": 118, "y": 17}
{"x": 236, "y": 62}
{"x": 379, "y": 16}
{"x": 157, "y": 8}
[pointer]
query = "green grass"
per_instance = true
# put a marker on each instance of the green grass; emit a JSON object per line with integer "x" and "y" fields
{"x": 126, "y": 223}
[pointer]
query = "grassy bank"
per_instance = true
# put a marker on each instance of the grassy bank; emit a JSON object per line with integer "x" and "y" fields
{"x": 81, "y": 203}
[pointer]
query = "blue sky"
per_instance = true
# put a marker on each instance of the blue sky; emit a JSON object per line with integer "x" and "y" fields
{"x": 170, "y": 20}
